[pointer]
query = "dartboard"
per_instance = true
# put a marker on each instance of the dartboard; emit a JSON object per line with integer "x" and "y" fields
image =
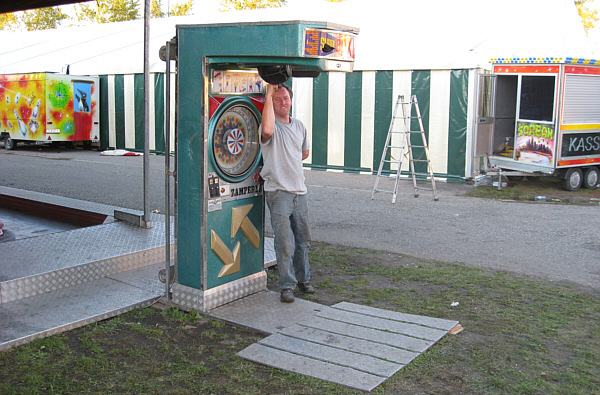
{"x": 235, "y": 140}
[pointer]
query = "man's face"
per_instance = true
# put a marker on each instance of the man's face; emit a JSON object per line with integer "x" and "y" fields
{"x": 282, "y": 102}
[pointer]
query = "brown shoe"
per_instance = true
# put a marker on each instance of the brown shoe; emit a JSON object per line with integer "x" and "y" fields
{"x": 306, "y": 288}
{"x": 287, "y": 295}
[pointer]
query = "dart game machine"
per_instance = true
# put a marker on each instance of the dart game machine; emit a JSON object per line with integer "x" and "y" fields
{"x": 222, "y": 71}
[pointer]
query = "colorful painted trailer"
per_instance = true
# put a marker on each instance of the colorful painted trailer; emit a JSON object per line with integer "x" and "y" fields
{"x": 46, "y": 107}
{"x": 542, "y": 117}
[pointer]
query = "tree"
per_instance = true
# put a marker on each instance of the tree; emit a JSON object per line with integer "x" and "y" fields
{"x": 43, "y": 18}
{"x": 230, "y": 5}
{"x": 181, "y": 9}
{"x": 104, "y": 11}
{"x": 588, "y": 17}
{"x": 177, "y": 10}
{"x": 8, "y": 21}
{"x": 156, "y": 9}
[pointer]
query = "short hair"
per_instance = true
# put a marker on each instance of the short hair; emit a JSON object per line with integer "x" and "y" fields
{"x": 287, "y": 88}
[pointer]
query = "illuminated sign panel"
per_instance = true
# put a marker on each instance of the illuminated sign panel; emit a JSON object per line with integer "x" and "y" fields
{"x": 329, "y": 44}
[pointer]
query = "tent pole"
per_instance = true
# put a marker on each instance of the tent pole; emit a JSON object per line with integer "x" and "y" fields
{"x": 147, "y": 222}
{"x": 167, "y": 171}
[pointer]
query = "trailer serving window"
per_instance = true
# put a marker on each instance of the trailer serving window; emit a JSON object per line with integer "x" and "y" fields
{"x": 536, "y": 99}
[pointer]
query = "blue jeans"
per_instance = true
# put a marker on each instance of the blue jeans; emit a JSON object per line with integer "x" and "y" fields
{"x": 289, "y": 218}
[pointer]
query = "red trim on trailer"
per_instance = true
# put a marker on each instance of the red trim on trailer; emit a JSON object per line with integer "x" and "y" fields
{"x": 578, "y": 161}
{"x": 582, "y": 70}
{"x": 533, "y": 68}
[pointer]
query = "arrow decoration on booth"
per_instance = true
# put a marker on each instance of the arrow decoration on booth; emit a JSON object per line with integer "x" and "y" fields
{"x": 240, "y": 220}
{"x": 230, "y": 259}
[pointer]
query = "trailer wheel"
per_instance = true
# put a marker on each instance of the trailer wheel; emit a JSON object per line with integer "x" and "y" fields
{"x": 9, "y": 143}
{"x": 590, "y": 180}
{"x": 573, "y": 179}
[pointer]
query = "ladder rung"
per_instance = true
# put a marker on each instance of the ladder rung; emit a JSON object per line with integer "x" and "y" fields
{"x": 421, "y": 160}
{"x": 391, "y": 161}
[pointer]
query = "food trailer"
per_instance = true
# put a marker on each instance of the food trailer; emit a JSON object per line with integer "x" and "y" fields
{"x": 45, "y": 107}
{"x": 541, "y": 116}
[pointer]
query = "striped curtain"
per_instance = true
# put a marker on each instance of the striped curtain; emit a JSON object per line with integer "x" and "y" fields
{"x": 347, "y": 115}
{"x": 122, "y": 112}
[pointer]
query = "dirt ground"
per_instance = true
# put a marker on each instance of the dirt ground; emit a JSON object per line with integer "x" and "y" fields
{"x": 541, "y": 189}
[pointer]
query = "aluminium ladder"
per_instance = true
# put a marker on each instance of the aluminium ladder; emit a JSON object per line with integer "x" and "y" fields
{"x": 406, "y": 145}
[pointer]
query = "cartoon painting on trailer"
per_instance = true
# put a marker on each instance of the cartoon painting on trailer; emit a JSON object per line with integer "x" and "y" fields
{"x": 47, "y": 107}
{"x": 22, "y": 110}
{"x": 83, "y": 93}
{"x": 535, "y": 143}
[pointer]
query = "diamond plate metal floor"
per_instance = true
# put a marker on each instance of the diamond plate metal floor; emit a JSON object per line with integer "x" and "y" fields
{"x": 45, "y": 315}
{"x": 356, "y": 346}
{"x": 62, "y": 280}
{"x": 59, "y": 281}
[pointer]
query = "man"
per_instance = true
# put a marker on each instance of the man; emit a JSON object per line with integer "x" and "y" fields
{"x": 284, "y": 143}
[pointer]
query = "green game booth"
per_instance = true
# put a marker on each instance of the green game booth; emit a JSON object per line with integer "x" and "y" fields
{"x": 222, "y": 71}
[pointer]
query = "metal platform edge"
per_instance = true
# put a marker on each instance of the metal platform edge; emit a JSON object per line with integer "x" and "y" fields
{"x": 74, "y": 325}
{"x": 70, "y": 308}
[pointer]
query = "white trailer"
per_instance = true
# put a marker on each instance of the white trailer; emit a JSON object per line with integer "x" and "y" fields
{"x": 541, "y": 116}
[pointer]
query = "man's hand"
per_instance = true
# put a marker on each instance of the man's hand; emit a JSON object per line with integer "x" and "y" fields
{"x": 271, "y": 89}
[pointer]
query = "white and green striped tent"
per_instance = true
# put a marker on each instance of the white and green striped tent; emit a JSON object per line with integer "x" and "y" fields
{"x": 433, "y": 49}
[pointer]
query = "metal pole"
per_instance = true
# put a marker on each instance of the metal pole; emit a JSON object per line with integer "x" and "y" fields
{"x": 167, "y": 170}
{"x": 147, "y": 222}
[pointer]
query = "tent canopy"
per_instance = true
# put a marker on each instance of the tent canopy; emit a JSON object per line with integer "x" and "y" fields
{"x": 425, "y": 34}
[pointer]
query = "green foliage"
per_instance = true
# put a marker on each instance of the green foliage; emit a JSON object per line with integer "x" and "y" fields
{"x": 156, "y": 9}
{"x": 181, "y": 9}
{"x": 178, "y": 9}
{"x": 104, "y": 11}
{"x": 43, "y": 18}
{"x": 235, "y": 5}
{"x": 8, "y": 21}
{"x": 588, "y": 17}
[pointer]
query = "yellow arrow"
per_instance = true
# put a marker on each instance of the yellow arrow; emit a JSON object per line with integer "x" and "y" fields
{"x": 230, "y": 259}
{"x": 240, "y": 220}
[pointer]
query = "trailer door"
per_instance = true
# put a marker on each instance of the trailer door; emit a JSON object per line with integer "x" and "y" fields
{"x": 535, "y": 136}
{"x": 484, "y": 129}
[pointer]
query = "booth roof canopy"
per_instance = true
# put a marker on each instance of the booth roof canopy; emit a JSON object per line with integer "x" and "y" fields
{"x": 424, "y": 34}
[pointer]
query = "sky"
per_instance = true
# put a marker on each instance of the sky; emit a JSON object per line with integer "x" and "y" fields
{"x": 199, "y": 5}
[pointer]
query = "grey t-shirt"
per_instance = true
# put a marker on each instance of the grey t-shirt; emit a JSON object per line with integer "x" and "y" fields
{"x": 282, "y": 157}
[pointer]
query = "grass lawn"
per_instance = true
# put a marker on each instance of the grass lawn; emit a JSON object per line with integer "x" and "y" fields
{"x": 521, "y": 335}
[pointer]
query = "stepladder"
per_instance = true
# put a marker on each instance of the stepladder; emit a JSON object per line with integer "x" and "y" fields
{"x": 406, "y": 139}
